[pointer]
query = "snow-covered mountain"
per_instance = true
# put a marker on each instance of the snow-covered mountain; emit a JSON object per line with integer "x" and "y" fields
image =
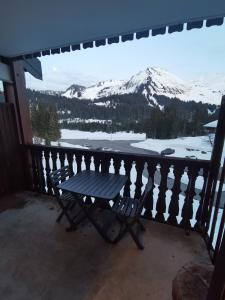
{"x": 151, "y": 82}
{"x": 74, "y": 90}
{"x": 99, "y": 90}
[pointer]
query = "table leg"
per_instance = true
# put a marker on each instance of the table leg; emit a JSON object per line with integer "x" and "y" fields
{"x": 94, "y": 223}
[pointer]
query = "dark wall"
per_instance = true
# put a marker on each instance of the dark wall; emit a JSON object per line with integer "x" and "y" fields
{"x": 11, "y": 163}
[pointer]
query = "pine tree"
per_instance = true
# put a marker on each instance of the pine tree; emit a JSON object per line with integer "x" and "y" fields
{"x": 54, "y": 133}
{"x": 45, "y": 122}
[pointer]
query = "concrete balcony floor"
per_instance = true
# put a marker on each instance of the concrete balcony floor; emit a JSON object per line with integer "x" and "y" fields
{"x": 40, "y": 260}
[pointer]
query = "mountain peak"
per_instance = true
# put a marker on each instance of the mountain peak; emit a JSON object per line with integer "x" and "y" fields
{"x": 155, "y": 69}
{"x": 76, "y": 86}
{"x": 73, "y": 91}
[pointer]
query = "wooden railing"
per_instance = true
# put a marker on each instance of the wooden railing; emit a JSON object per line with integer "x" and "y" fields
{"x": 176, "y": 198}
{"x": 215, "y": 222}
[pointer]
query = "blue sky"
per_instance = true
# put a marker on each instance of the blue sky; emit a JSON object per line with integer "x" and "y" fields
{"x": 189, "y": 55}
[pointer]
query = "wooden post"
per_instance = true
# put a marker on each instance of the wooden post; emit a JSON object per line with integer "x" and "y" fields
{"x": 217, "y": 286}
{"x": 214, "y": 166}
{"x": 10, "y": 98}
{"x": 16, "y": 93}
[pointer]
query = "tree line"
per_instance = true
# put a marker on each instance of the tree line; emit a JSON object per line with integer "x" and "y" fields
{"x": 172, "y": 123}
{"x": 173, "y": 118}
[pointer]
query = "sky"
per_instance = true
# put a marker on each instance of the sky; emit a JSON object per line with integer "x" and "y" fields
{"x": 190, "y": 55}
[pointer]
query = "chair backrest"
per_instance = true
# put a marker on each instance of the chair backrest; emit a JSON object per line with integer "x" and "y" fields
{"x": 144, "y": 195}
{"x": 58, "y": 176}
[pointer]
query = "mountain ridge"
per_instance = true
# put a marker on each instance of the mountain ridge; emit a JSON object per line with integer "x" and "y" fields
{"x": 149, "y": 82}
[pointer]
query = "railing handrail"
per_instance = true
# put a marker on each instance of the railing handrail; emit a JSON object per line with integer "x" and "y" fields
{"x": 127, "y": 155}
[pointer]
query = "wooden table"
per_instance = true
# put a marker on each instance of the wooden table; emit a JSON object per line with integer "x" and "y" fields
{"x": 103, "y": 186}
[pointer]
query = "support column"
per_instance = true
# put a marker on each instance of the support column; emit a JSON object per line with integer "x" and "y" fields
{"x": 214, "y": 166}
{"x": 16, "y": 93}
{"x": 217, "y": 286}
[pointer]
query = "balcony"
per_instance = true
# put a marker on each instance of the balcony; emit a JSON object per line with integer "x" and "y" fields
{"x": 46, "y": 262}
{"x": 184, "y": 215}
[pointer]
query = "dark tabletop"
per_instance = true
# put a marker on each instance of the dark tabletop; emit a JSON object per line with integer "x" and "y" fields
{"x": 94, "y": 184}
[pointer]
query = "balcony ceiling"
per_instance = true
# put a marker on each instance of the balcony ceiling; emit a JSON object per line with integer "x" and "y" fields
{"x": 29, "y": 26}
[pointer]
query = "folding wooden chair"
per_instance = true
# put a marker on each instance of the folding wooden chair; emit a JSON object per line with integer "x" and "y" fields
{"x": 66, "y": 200}
{"x": 128, "y": 212}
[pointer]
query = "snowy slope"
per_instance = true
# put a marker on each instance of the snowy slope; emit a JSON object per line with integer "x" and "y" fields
{"x": 102, "y": 89}
{"x": 99, "y": 135}
{"x": 99, "y": 90}
{"x": 156, "y": 81}
{"x": 190, "y": 147}
{"x": 151, "y": 82}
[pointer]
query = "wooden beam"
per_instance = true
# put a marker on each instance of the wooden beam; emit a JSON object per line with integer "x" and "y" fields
{"x": 5, "y": 74}
{"x": 10, "y": 98}
{"x": 33, "y": 66}
{"x": 16, "y": 93}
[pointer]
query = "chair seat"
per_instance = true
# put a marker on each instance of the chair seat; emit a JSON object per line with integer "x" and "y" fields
{"x": 127, "y": 207}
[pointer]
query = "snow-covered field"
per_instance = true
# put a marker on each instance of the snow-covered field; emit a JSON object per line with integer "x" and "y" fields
{"x": 197, "y": 147}
{"x": 193, "y": 147}
{"x": 99, "y": 135}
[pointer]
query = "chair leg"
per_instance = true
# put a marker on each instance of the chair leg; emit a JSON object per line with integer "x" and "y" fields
{"x": 128, "y": 227}
{"x": 64, "y": 209}
{"x": 141, "y": 225}
{"x": 73, "y": 205}
{"x": 60, "y": 217}
{"x": 77, "y": 219}
{"x": 72, "y": 226}
{"x": 123, "y": 231}
{"x": 134, "y": 236}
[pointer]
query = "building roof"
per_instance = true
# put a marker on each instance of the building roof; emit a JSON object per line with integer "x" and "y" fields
{"x": 212, "y": 124}
{"x": 33, "y": 28}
